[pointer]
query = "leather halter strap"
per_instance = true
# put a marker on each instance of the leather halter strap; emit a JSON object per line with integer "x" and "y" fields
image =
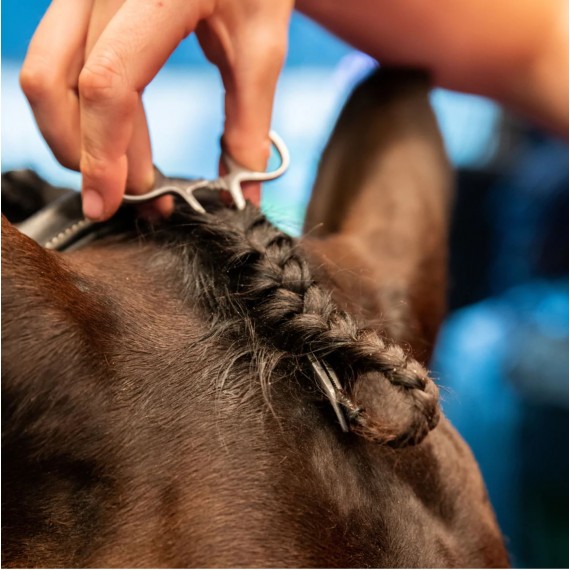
{"x": 60, "y": 225}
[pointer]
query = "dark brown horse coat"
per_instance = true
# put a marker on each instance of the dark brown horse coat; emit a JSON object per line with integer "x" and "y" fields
{"x": 158, "y": 409}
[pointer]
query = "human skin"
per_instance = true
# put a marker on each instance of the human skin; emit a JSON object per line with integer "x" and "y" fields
{"x": 89, "y": 62}
{"x": 515, "y": 51}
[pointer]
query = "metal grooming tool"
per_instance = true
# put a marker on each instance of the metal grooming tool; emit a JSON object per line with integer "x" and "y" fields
{"x": 231, "y": 182}
{"x": 331, "y": 385}
{"x": 61, "y": 226}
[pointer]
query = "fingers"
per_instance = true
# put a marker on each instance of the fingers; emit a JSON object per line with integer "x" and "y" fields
{"x": 139, "y": 155}
{"x": 250, "y": 90}
{"x": 124, "y": 59}
{"x": 49, "y": 76}
{"x": 104, "y": 129}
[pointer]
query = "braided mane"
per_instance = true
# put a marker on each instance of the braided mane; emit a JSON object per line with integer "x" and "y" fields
{"x": 263, "y": 285}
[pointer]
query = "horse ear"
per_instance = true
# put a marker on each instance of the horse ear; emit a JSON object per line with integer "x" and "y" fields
{"x": 41, "y": 289}
{"x": 378, "y": 214}
{"x": 31, "y": 281}
{"x": 27, "y": 268}
{"x": 52, "y": 322}
{"x": 45, "y": 297}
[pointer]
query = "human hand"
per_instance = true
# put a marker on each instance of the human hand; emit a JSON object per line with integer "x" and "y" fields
{"x": 89, "y": 62}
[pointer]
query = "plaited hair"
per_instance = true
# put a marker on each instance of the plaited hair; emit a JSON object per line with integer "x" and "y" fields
{"x": 260, "y": 276}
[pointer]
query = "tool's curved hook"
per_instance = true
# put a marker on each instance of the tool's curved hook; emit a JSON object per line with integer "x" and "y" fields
{"x": 231, "y": 182}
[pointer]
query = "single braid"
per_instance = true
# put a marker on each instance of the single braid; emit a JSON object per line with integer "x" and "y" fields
{"x": 266, "y": 274}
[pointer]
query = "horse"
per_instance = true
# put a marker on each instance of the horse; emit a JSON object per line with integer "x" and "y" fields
{"x": 160, "y": 394}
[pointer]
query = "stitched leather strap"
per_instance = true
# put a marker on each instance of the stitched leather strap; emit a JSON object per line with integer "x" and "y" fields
{"x": 61, "y": 226}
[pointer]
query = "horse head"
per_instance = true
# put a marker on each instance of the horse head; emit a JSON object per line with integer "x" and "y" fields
{"x": 165, "y": 387}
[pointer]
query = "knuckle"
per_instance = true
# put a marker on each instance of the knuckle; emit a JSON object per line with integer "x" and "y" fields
{"x": 276, "y": 52}
{"x": 93, "y": 167}
{"x": 36, "y": 80}
{"x": 100, "y": 79}
{"x": 268, "y": 63}
{"x": 274, "y": 47}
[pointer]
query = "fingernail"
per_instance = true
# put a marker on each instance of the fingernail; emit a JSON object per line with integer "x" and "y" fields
{"x": 92, "y": 205}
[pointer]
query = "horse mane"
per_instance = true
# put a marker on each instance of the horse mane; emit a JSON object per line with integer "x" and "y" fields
{"x": 256, "y": 289}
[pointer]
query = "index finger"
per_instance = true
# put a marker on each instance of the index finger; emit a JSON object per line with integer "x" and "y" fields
{"x": 125, "y": 58}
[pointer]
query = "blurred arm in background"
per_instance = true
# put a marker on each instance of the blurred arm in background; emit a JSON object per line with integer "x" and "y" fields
{"x": 514, "y": 51}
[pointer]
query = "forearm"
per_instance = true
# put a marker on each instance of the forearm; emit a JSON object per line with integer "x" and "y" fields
{"x": 515, "y": 51}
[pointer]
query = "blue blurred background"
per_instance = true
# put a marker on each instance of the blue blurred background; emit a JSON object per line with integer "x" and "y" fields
{"x": 502, "y": 356}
